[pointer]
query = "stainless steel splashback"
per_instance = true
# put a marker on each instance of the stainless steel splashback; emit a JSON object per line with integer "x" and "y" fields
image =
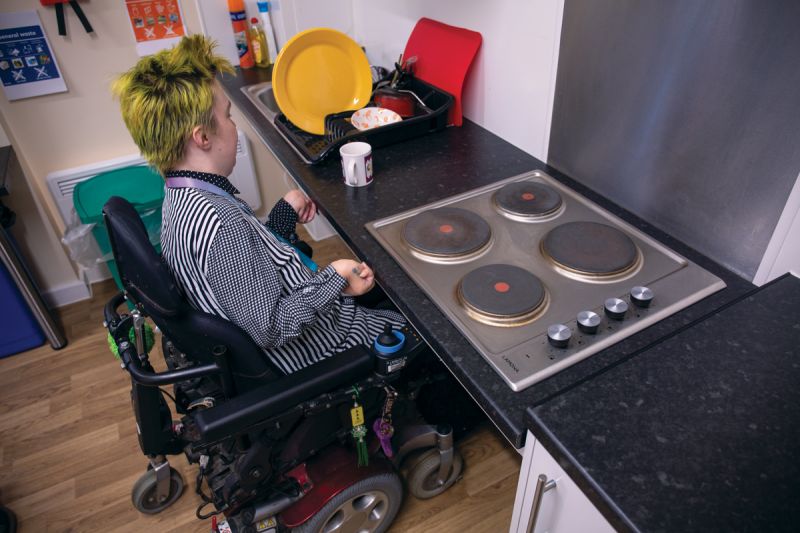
{"x": 686, "y": 113}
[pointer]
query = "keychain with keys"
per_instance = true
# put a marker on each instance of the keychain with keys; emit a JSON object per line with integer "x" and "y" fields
{"x": 382, "y": 426}
{"x": 359, "y": 430}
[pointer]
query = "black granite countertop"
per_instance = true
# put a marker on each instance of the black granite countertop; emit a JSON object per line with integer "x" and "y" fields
{"x": 701, "y": 432}
{"x": 430, "y": 168}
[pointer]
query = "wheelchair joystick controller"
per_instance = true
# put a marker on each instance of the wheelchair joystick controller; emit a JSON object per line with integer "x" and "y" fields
{"x": 393, "y": 348}
{"x": 389, "y": 341}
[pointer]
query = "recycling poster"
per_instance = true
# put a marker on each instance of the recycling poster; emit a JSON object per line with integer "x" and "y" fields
{"x": 27, "y": 64}
{"x": 156, "y": 24}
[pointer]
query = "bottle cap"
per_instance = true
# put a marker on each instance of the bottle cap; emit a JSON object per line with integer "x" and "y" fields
{"x": 263, "y": 7}
{"x": 254, "y": 20}
{"x": 235, "y": 5}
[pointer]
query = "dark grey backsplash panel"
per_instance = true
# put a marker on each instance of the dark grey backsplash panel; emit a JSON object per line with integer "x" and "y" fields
{"x": 686, "y": 113}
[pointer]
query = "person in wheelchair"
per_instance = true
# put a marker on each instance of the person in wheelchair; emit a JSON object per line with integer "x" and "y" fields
{"x": 296, "y": 419}
{"x": 223, "y": 258}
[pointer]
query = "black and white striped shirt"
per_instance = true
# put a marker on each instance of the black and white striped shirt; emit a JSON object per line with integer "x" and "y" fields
{"x": 228, "y": 264}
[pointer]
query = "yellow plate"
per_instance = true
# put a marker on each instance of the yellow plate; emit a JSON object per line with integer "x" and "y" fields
{"x": 319, "y": 72}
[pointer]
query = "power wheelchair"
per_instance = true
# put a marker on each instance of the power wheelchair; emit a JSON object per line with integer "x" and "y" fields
{"x": 275, "y": 452}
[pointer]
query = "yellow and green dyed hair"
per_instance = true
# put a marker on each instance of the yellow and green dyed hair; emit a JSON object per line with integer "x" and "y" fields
{"x": 165, "y": 95}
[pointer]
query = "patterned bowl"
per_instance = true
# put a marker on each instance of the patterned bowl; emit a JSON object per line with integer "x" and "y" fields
{"x": 372, "y": 117}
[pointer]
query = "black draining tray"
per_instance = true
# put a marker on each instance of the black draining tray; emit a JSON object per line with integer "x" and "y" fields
{"x": 432, "y": 116}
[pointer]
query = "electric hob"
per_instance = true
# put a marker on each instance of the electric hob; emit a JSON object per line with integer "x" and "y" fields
{"x": 536, "y": 276}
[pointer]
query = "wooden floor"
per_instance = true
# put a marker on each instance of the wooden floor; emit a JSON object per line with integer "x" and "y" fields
{"x": 70, "y": 456}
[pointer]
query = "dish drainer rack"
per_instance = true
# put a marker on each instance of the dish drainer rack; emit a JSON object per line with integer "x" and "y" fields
{"x": 430, "y": 114}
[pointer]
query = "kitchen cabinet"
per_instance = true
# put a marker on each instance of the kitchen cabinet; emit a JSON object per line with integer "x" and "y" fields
{"x": 563, "y": 508}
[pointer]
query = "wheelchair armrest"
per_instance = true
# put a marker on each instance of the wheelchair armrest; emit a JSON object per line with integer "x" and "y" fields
{"x": 118, "y": 327}
{"x": 156, "y": 379}
{"x": 238, "y": 414}
{"x": 110, "y": 314}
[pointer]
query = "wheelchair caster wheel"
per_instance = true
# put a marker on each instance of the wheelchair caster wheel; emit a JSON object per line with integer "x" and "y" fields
{"x": 144, "y": 492}
{"x": 368, "y": 506}
{"x": 421, "y": 477}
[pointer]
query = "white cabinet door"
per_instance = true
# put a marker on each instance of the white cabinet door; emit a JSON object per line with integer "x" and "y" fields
{"x": 563, "y": 509}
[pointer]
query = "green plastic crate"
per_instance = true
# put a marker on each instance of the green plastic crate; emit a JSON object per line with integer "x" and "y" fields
{"x": 140, "y": 185}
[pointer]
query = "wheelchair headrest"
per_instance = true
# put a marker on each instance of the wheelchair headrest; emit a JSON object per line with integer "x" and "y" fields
{"x": 141, "y": 269}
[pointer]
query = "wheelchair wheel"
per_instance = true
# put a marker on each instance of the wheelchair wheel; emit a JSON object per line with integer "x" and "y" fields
{"x": 421, "y": 477}
{"x": 144, "y": 492}
{"x": 369, "y": 505}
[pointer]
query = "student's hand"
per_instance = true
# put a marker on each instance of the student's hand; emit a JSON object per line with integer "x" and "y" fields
{"x": 360, "y": 277}
{"x": 302, "y": 205}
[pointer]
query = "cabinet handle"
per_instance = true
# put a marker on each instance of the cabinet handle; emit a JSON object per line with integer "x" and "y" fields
{"x": 542, "y": 486}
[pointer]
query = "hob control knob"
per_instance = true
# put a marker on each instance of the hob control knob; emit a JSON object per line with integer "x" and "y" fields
{"x": 559, "y": 335}
{"x": 641, "y": 296}
{"x": 615, "y": 308}
{"x": 588, "y": 322}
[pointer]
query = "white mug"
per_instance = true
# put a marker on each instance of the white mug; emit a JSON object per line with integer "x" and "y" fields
{"x": 356, "y": 164}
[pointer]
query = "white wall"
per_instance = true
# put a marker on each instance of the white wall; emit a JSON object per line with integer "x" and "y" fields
{"x": 510, "y": 87}
{"x": 290, "y": 17}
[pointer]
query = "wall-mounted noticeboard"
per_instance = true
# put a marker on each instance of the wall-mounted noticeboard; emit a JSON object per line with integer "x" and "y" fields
{"x": 156, "y": 24}
{"x": 28, "y": 66}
